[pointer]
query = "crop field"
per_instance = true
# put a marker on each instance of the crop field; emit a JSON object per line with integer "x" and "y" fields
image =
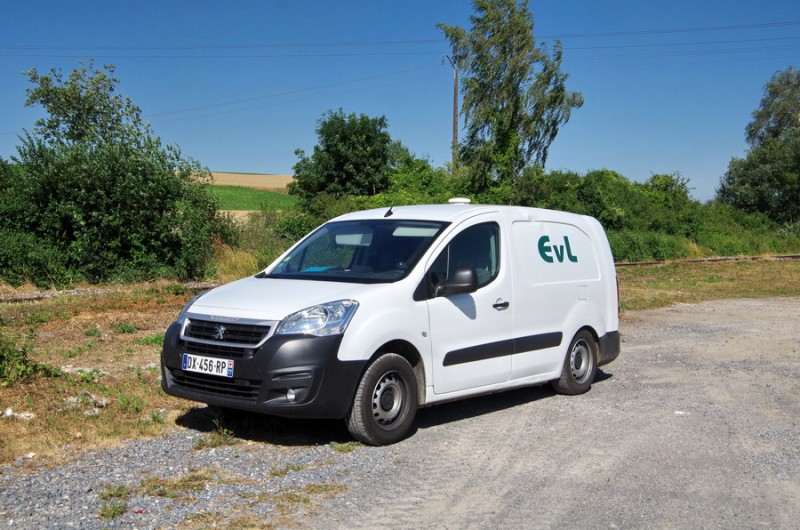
{"x": 242, "y": 193}
{"x": 256, "y": 181}
{"x": 250, "y": 199}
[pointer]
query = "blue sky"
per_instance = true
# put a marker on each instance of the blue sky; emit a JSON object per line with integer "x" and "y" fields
{"x": 669, "y": 86}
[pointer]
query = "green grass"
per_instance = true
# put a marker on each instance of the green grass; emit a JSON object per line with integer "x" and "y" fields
{"x": 241, "y": 198}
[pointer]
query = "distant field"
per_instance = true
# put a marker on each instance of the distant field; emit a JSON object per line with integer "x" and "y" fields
{"x": 249, "y": 199}
{"x": 252, "y": 180}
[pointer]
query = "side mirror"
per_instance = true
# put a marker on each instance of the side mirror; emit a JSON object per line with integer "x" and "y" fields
{"x": 462, "y": 281}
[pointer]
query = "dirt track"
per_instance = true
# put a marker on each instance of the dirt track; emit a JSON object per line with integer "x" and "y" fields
{"x": 696, "y": 425}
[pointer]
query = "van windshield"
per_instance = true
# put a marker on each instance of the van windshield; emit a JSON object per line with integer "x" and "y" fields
{"x": 366, "y": 251}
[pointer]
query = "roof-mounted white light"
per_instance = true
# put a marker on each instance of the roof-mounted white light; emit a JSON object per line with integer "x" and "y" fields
{"x": 459, "y": 200}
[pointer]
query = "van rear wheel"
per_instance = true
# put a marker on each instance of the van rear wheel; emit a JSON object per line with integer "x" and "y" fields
{"x": 386, "y": 402}
{"x": 580, "y": 365}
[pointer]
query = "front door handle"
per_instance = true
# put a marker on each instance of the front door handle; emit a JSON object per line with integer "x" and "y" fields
{"x": 501, "y": 305}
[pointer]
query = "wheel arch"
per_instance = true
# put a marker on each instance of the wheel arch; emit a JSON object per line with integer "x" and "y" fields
{"x": 406, "y": 350}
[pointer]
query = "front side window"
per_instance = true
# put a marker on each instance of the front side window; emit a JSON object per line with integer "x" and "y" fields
{"x": 477, "y": 247}
{"x": 368, "y": 251}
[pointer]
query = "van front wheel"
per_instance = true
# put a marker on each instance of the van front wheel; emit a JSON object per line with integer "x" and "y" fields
{"x": 580, "y": 365}
{"x": 386, "y": 402}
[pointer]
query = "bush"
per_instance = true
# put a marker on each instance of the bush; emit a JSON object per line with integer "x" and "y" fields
{"x": 632, "y": 246}
{"x": 17, "y": 367}
{"x": 92, "y": 194}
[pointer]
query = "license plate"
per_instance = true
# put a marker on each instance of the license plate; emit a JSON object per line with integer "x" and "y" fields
{"x": 207, "y": 365}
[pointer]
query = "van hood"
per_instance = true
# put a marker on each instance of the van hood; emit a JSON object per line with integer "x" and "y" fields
{"x": 270, "y": 298}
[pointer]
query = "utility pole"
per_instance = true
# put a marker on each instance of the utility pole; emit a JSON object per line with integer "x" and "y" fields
{"x": 455, "y": 110}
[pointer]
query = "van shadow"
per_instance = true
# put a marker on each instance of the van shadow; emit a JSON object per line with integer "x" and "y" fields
{"x": 254, "y": 427}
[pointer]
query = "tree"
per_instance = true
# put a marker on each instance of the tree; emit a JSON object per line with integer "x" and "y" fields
{"x": 767, "y": 179}
{"x": 514, "y": 93}
{"x": 84, "y": 108}
{"x": 779, "y": 110}
{"x": 92, "y": 194}
{"x": 351, "y": 158}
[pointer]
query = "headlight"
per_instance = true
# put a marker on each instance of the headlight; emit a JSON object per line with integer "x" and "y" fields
{"x": 320, "y": 320}
{"x": 182, "y": 314}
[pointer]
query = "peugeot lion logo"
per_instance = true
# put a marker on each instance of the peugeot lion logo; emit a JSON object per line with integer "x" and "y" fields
{"x": 219, "y": 332}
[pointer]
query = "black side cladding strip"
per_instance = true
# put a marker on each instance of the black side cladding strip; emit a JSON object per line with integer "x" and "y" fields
{"x": 503, "y": 348}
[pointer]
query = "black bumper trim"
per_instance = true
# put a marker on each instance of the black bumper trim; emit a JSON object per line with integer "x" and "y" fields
{"x": 322, "y": 385}
{"x": 609, "y": 347}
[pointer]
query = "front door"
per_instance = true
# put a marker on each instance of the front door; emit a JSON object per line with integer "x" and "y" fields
{"x": 471, "y": 333}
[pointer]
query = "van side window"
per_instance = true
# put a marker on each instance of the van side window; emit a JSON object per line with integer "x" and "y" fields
{"x": 477, "y": 247}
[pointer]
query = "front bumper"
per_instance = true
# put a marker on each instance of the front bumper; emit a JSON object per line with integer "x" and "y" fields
{"x": 321, "y": 384}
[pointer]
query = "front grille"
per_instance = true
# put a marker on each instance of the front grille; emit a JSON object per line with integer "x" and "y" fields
{"x": 228, "y": 352}
{"x": 226, "y": 332}
{"x": 236, "y": 388}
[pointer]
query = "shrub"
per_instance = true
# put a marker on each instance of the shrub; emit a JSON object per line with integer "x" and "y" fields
{"x": 17, "y": 367}
{"x": 631, "y": 246}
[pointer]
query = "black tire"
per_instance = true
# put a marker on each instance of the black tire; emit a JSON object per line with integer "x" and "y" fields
{"x": 580, "y": 365}
{"x": 386, "y": 402}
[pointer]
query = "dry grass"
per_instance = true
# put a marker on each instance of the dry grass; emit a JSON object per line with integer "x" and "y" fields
{"x": 108, "y": 346}
{"x": 253, "y": 180}
{"x": 234, "y": 264}
{"x": 651, "y": 286}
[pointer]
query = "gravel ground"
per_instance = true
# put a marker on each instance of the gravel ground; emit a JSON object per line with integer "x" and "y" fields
{"x": 696, "y": 425}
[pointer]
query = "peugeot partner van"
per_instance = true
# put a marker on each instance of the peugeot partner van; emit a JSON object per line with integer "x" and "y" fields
{"x": 379, "y": 312}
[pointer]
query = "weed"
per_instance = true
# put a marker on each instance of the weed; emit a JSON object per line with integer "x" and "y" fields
{"x": 151, "y": 340}
{"x": 328, "y": 490}
{"x": 173, "y": 488}
{"x": 277, "y": 472}
{"x": 93, "y": 331}
{"x": 292, "y": 497}
{"x": 158, "y": 416}
{"x": 17, "y": 367}
{"x": 130, "y": 403}
{"x": 345, "y": 447}
{"x": 79, "y": 350}
{"x": 126, "y": 328}
{"x": 113, "y": 509}
{"x": 219, "y": 437}
{"x": 84, "y": 376}
{"x": 120, "y": 492}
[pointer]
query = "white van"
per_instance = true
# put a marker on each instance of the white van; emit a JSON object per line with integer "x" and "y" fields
{"x": 379, "y": 312}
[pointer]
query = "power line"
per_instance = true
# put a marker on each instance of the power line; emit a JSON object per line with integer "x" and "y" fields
{"x": 697, "y": 29}
{"x": 294, "y": 91}
{"x": 372, "y": 43}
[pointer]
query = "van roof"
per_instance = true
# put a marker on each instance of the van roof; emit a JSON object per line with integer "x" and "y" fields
{"x": 451, "y": 213}
{"x": 427, "y": 212}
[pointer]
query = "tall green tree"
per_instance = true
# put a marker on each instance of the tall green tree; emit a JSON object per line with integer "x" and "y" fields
{"x": 84, "y": 108}
{"x": 93, "y": 195}
{"x": 514, "y": 92}
{"x": 352, "y": 157}
{"x": 779, "y": 110}
{"x": 767, "y": 179}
